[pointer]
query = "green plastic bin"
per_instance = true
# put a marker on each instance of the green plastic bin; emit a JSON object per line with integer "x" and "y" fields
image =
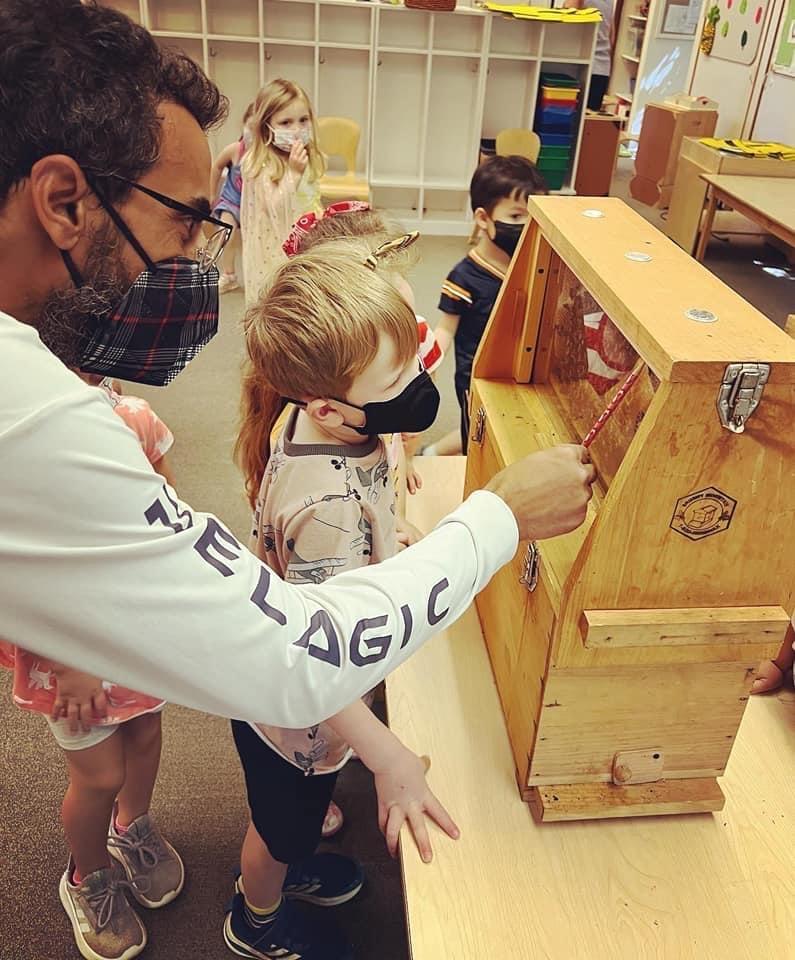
{"x": 554, "y": 170}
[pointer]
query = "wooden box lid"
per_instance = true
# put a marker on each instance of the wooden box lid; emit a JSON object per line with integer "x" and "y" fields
{"x": 649, "y": 300}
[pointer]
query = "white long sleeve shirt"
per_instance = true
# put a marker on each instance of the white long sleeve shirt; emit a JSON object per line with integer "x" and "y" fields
{"x": 103, "y": 568}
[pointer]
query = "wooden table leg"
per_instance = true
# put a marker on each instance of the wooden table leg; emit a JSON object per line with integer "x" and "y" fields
{"x": 706, "y": 223}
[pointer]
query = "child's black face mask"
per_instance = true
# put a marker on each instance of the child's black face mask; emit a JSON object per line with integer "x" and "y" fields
{"x": 413, "y": 410}
{"x": 507, "y": 235}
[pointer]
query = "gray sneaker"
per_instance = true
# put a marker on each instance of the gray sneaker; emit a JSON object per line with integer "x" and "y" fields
{"x": 105, "y": 925}
{"x": 154, "y": 868}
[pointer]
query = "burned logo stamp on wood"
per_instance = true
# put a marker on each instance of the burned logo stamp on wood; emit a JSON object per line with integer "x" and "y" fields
{"x": 703, "y": 513}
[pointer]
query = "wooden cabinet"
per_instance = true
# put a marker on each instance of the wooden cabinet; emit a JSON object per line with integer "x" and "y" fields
{"x": 625, "y": 670}
{"x": 598, "y": 152}
{"x": 664, "y": 127}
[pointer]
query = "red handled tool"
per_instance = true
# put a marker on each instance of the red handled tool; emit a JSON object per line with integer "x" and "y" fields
{"x": 609, "y": 410}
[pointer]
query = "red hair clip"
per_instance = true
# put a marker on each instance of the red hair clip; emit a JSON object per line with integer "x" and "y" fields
{"x": 304, "y": 226}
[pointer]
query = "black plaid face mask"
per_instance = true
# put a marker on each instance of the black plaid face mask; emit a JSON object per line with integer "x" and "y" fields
{"x": 169, "y": 313}
{"x": 165, "y": 318}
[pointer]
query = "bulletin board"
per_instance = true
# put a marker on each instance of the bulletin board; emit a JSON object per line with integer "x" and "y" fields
{"x": 739, "y": 29}
{"x": 784, "y": 57}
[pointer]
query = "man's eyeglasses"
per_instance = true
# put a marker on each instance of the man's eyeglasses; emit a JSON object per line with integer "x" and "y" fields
{"x": 207, "y": 256}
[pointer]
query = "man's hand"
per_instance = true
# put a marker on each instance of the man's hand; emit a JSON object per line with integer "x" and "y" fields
{"x": 80, "y": 699}
{"x": 548, "y": 491}
{"x": 404, "y": 795}
{"x": 298, "y": 158}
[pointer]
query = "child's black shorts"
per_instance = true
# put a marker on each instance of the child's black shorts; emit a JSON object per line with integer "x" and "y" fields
{"x": 287, "y": 807}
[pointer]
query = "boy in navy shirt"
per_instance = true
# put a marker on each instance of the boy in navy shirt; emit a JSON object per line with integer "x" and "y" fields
{"x": 498, "y": 192}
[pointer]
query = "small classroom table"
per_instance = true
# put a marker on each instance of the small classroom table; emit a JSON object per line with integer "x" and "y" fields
{"x": 699, "y": 887}
{"x": 768, "y": 201}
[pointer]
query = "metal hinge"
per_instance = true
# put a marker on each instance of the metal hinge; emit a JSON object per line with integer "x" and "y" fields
{"x": 740, "y": 393}
{"x": 530, "y": 566}
{"x": 480, "y": 426}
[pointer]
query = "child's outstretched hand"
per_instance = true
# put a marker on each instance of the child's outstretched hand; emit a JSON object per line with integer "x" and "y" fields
{"x": 80, "y": 699}
{"x": 298, "y": 158}
{"x": 404, "y": 795}
{"x": 413, "y": 478}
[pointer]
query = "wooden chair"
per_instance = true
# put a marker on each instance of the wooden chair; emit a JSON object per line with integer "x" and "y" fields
{"x": 517, "y": 142}
{"x": 514, "y": 142}
{"x": 339, "y": 137}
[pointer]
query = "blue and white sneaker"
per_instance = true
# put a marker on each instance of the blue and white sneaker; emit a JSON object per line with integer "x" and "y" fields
{"x": 288, "y": 936}
{"x": 324, "y": 879}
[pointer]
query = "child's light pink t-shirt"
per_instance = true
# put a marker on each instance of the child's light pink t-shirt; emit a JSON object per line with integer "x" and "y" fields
{"x": 322, "y": 510}
{"x": 34, "y": 685}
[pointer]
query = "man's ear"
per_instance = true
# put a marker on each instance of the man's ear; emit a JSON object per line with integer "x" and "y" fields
{"x": 325, "y": 413}
{"x": 482, "y": 219}
{"x": 59, "y": 194}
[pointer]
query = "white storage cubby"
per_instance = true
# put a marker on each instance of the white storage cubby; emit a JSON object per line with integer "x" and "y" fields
{"x": 402, "y": 29}
{"x": 233, "y": 18}
{"x": 450, "y": 134}
{"x": 174, "y": 16}
{"x": 284, "y": 20}
{"x": 458, "y": 35}
{"x": 511, "y": 87}
{"x": 515, "y": 38}
{"x": 348, "y": 26}
{"x": 132, "y": 8}
{"x": 340, "y": 92}
{"x": 235, "y": 68}
{"x": 293, "y": 62}
{"x": 423, "y": 86}
{"x": 401, "y": 82}
{"x": 191, "y": 47}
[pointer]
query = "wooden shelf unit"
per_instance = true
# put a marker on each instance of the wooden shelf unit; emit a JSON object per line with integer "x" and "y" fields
{"x": 424, "y": 87}
{"x": 625, "y": 670}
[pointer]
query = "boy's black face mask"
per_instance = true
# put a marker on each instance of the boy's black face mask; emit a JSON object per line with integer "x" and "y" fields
{"x": 507, "y": 235}
{"x": 413, "y": 410}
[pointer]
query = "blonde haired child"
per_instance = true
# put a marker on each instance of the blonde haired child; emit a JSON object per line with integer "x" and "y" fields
{"x": 354, "y": 218}
{"x": 335, "y": 336}
{"x": 281, "y": 172}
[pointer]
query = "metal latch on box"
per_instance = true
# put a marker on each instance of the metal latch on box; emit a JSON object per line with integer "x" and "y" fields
{"x": 530, "y": 566}
{"x": 740, "y": 393}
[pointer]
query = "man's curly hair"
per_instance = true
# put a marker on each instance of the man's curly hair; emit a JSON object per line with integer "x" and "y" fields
{"x": 81, "y": 79}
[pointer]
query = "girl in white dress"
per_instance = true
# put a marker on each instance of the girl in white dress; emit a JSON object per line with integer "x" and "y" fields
{"x": 281, "y": 178}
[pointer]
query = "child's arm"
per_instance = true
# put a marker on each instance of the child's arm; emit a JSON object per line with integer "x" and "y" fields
{"x": 80, "y": 698}
{"x": 446, "y": 330}
{"x": 225, "y": 157}
{"x": 407, "y": 533}
{"x": 403, "y": 793}
{"x": 163, "y": 467}
{"x": 410, "y": 442}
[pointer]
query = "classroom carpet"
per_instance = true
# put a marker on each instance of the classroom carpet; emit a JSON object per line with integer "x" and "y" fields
{"x": 199, "y": 800}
